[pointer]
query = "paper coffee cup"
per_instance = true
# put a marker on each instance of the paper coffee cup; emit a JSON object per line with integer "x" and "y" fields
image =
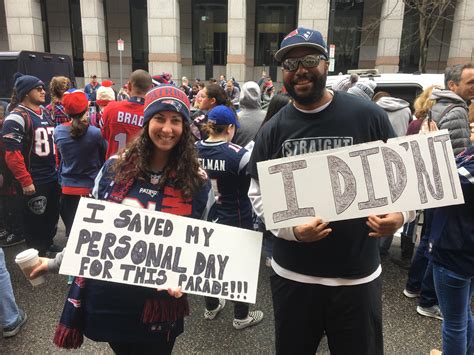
{"x": 27, "y": 260}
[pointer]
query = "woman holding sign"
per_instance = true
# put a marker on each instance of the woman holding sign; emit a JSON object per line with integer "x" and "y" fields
{"x": 162, "y": 160}
{"x": 226, "y": 165}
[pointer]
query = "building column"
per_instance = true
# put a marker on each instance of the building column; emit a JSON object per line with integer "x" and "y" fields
{"x": 461, "y": 50}
{"x": 164, "y": 37}
{"x": 24, "y": 25}
{"x": 390, "y": 35}
{"x": 314, "y": 14}
{"x": 236, "y": 33}
{"x": 93, "y": 37}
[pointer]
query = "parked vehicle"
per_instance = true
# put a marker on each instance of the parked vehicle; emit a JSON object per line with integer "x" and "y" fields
{"x": 403, "y": 86}
{"x": 41, "y": 65}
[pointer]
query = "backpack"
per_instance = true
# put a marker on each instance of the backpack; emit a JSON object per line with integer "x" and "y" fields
{"x": 429, "y": 125}
{"x": 6, "y": 176}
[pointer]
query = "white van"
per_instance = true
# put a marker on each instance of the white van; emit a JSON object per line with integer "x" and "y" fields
{"x": 403, "y": 86}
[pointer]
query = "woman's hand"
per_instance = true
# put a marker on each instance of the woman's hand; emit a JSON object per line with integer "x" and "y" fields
{"x": 41, "y": 268}
{"x": 173, "y": 292}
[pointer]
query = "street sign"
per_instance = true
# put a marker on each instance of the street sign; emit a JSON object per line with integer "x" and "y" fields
{"x": 120, "y": 45}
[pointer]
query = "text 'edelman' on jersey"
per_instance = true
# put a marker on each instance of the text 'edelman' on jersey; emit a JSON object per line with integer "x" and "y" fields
{"x": 226, "y": 166}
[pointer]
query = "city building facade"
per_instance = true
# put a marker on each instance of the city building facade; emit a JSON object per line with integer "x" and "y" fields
{"x": 237, "y": 38}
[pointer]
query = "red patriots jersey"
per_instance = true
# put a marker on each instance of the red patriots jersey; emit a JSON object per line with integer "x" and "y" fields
{"x": 121, "y": 123}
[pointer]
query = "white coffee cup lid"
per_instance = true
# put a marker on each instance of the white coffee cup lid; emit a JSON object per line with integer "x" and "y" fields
{"x": 26, "y": 255}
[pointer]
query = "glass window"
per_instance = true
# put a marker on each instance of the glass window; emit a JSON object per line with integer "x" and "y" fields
{"x": 410, "y": 41}
{"x": 76, "y": 37}
{"x": 139, "y": 32}
{"x": 44, "y": 25}
{"x": 274, "y": 19}
{"x": 347, "y": 24}
{"x": 209, "y": 32}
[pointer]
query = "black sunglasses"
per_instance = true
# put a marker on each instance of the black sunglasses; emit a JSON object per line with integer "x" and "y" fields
{"x": 40, "y": 88}
{"x": 309, "y": 61}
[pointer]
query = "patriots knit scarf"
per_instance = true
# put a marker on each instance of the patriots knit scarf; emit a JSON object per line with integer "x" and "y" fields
{"x": 70, "y": 330}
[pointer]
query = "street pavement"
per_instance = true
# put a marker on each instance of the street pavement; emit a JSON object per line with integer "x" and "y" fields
{"x": 405, "y": 332}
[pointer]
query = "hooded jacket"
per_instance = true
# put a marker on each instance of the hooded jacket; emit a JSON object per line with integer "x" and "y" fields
{"x": 456, "y": 121}
{"x": 251, "y": 115}
{"x": 398, "y": 112}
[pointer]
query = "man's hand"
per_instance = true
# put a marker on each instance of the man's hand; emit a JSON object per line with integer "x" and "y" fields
{"x": 173, "y": 292}
{"x": 385, "y": 225}
{"x": 313, "y": 231}
{"x": 29, "y": 190}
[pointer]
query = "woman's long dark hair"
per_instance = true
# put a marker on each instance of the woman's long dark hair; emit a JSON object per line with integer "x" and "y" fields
{"x": 215, "y": 91}
{"x": 14, "y": 102}
{"x": 79, "y": 125}
{"x": 183, "y": 166}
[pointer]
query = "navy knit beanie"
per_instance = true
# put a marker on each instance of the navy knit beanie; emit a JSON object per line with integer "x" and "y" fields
{"x": 166, "y": 98}
{"x": 25, "y": 83}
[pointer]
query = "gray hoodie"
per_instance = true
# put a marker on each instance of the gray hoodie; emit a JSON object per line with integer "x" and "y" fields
{"x": 251, "y": 114}
{"x": 456, "y": 121}
{"x": 398, "y": 112}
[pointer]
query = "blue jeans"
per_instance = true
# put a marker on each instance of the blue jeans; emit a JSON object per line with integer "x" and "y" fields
{"x": 454, "y": 294}
{"x": 420, "y": 275}
{"x": 8, "y": 308}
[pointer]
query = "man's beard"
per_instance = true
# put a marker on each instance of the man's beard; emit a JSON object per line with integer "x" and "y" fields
{"x": 38, "y": 102}
{"x": 315, "y": 94}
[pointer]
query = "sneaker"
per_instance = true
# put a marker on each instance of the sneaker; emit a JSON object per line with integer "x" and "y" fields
{"x": 404, "y": 263}
{"x": 70, "y": 280}
{"x": 210, "y": 315}
{"x": 53, "y": 248}
{"x": 433, "y": 311}
{"x": 11, "y": 240}
{"x": 411, "y": 294}
{"x": 15, "y": 327}
{"x": 253, "y": 318}
{"x": 3, "y": 234}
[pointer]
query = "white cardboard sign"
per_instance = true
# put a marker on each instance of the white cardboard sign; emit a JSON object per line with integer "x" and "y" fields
{"x": 408, "y": 173}
{"x": 118, "y": 243}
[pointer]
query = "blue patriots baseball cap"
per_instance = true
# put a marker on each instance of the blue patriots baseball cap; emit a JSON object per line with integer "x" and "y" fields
{"x": 302, "y": 37}
{"x": 222, "y": 115}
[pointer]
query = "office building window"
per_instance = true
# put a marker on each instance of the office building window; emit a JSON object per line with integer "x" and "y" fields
{"x": 76, "y": 37}
{"x": 44, "y": 25}
{"x": 139, "y": 32}
{"x": 347, "y": 34}
{"x": 209, "y": 32}
{"x": 274, "y": 19}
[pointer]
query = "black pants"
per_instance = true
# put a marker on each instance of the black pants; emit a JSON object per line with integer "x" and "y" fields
{"x": 350, "y": 316}
{"x": 163, "y": 346}
{"x": 40, "y": 214}
{"x": 10, "y": 214}
{"x": 68, "y": 210}
{"x": 241, "y": 309}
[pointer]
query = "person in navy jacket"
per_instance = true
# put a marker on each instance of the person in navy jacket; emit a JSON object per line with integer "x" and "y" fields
{"x": 80, "y": 151}
{"x": 452, "y": 249}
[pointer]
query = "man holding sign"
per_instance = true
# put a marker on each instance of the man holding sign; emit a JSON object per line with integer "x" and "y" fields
{"x": 327, "y": 276}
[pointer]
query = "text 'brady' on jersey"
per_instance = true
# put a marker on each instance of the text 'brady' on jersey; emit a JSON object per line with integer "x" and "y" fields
{"x": 226, "y": 166}
{"x": 40, "y": 159}
{"x": 121, "y": 123}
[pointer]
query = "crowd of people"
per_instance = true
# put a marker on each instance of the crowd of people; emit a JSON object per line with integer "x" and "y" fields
{"x": 156, "y": 135}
